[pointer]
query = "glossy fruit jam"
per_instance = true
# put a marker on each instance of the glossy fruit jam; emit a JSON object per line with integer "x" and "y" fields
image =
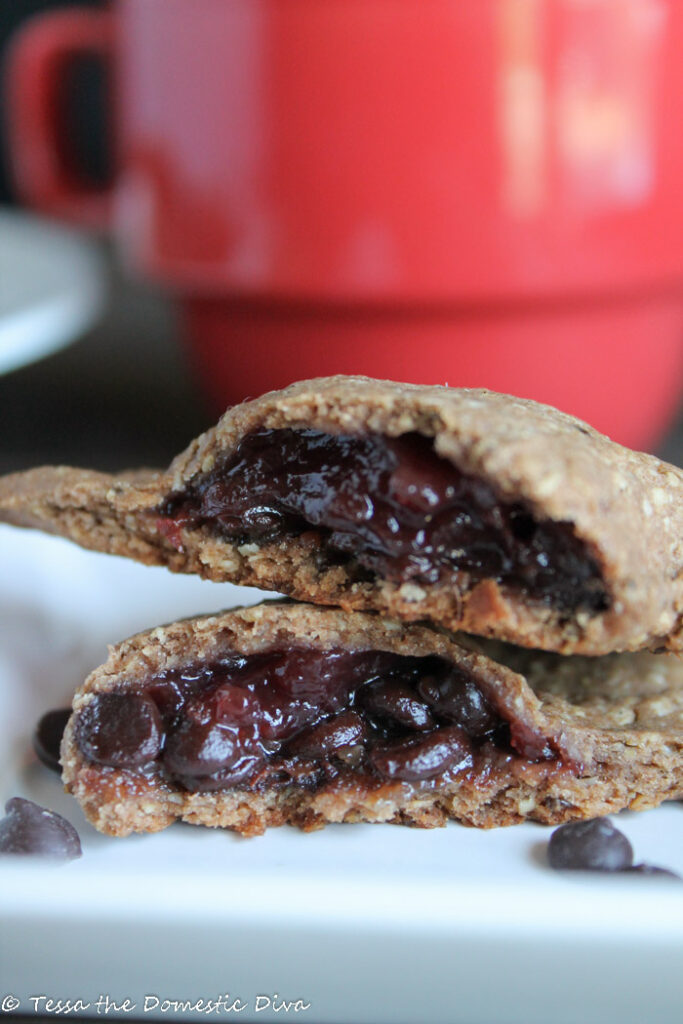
{"x": 302, "y": 715}
{"x": 390, "y": 506}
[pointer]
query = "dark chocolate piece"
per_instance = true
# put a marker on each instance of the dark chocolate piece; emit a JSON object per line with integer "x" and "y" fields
{"x": 120, "y": 729}
{"x": 36, "y": 831}
{"x": 48, "y": 737}
{"x": 594, "y": 845}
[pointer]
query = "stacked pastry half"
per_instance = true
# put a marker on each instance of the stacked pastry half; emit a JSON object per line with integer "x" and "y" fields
{"x": 485, "y": 601}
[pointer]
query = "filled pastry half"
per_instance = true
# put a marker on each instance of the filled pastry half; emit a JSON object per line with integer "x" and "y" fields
{"x": 288, "y": 713}
{"x": 471, "y": 509}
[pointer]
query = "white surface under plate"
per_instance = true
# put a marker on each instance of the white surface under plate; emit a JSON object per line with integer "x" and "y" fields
{"x": 51, "y": 287}
{"x": 365, "y": 923}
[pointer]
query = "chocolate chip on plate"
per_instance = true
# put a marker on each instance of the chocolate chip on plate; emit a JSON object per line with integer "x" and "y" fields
{"x": 47, "y": 738}
{"x": 36, "y": 831}
{"x": 594, "y": 845}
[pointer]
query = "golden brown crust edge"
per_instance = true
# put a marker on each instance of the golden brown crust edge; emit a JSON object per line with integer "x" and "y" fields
{"x": 625, "y": 762}
{"x": 626, "y": 505}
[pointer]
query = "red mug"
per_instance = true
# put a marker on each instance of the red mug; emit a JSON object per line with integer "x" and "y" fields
{"x": 482, "y": 194}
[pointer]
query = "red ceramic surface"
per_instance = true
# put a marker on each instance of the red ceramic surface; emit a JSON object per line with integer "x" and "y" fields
{"x": 617, "y": 365}
{"x": 430, "y": 190}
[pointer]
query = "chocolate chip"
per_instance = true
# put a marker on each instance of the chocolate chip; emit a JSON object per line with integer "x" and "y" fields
{"x": 594, "y": 845}
{"x": 36, "y": 831}
{"x": 457, "y": 698}
{"x": 414, "y": 759}
{"x": 397, "y": 703}
{"x": 344, "y": 730}
{"x": 122, "y": 730}
{"x": 217, "y": 738}
{"x": 47, "y": 738}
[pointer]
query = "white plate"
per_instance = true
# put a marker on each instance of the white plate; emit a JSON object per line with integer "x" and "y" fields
{"x": 51, "y": 287}
{"x": 364, "y": 923}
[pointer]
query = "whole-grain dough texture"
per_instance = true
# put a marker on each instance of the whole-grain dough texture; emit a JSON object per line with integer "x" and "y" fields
{"x": 616, "y": 724}
{"x": 626, "y": 506}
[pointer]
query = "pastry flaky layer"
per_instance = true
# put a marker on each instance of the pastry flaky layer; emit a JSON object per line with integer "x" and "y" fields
{"x": 623, "y": 509}
{"x": 580, "y": 737}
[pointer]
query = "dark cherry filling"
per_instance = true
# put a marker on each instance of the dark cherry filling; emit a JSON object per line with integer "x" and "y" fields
{"x": 304, "y": 715}
{"x": 393, "y": 506}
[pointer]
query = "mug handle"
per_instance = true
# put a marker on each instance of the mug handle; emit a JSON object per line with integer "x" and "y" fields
{"x": 39, "y": 151}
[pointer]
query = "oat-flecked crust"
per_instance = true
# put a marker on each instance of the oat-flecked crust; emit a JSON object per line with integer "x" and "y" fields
{"x": 617, "y": 723}
{"x": 627, "y": 507}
